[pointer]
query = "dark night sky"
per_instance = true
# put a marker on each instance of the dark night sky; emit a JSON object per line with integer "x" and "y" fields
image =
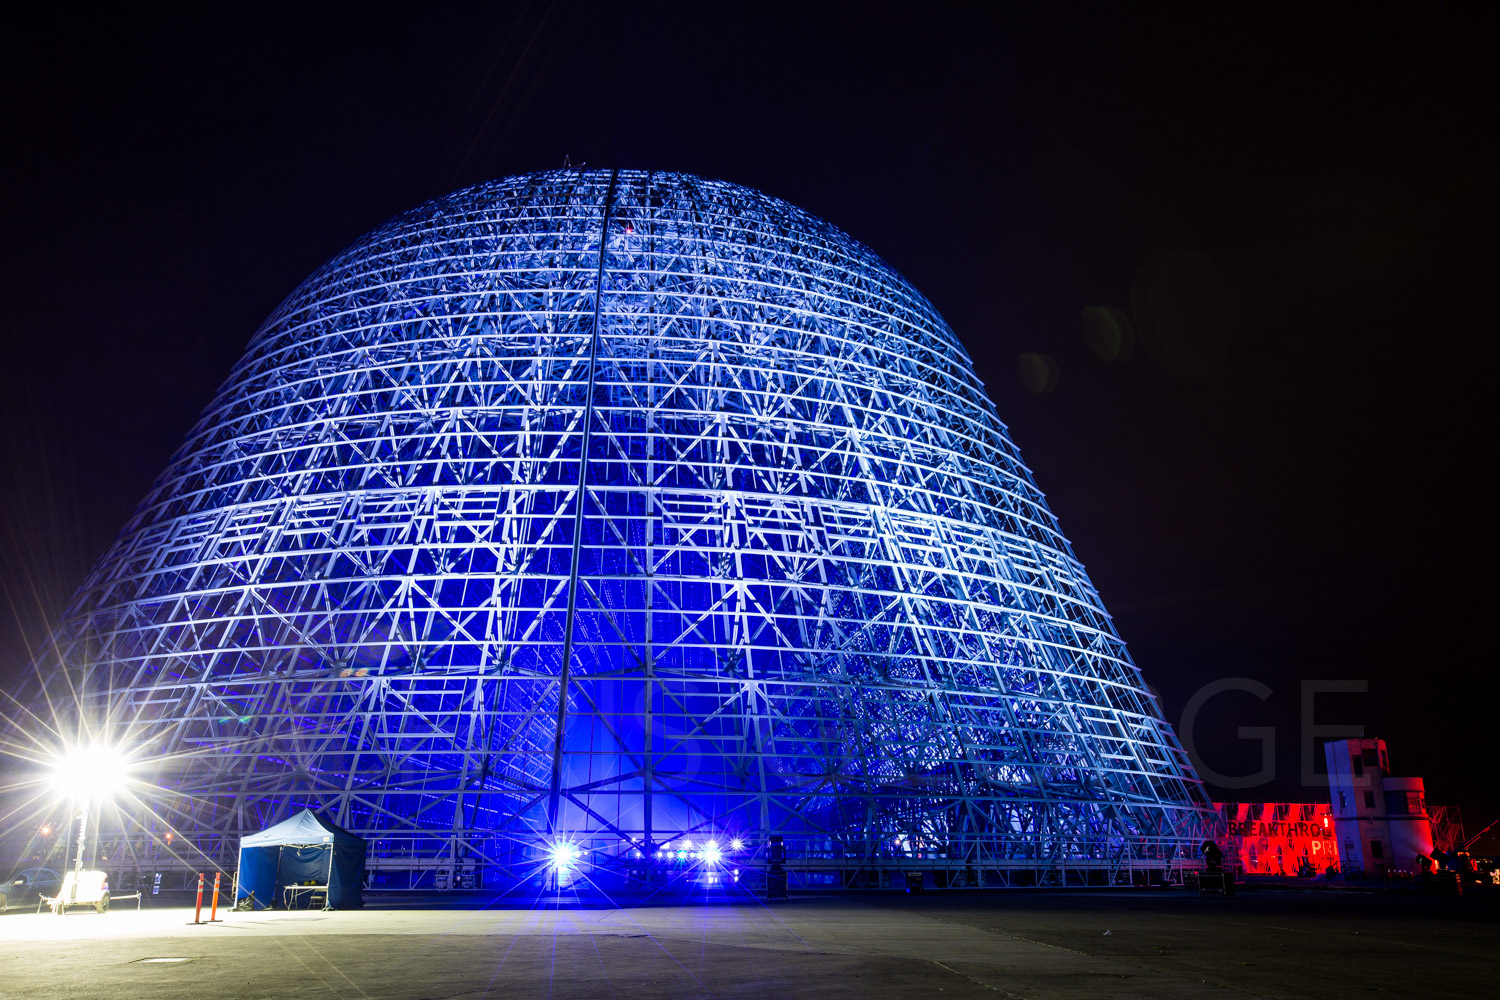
{"x": 1290, "y": 211}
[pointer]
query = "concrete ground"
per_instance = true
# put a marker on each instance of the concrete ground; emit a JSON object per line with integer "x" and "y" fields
{"x": 1033, "y": 945}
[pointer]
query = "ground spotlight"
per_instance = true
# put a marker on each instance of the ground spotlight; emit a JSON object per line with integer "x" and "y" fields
{"x": 711, "y": 852}
{"x": 562, "y": 855}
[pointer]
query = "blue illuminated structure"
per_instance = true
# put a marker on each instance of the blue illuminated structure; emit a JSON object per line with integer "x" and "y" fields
{"x": 609, "y": 511}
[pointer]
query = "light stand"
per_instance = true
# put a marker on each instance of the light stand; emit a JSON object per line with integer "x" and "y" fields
{"x": 83, "y": 773}
{"x": 83, "y": 826}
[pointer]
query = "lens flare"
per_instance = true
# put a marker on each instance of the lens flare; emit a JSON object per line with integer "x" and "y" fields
{"x": 562, "y": 855}
{"x": 92, "y": 772}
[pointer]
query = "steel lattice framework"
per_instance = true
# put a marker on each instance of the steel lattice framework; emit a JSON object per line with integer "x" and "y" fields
{"x": 623, "y": 507}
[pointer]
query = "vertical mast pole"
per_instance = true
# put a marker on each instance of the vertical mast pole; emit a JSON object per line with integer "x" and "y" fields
{"x": 555, "y": 792}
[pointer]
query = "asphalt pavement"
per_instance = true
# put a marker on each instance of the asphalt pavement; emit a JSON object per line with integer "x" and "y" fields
{"x": 1030, "y": 945}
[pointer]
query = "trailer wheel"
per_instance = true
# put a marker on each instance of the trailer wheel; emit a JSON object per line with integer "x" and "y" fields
{"x": 103, "y": 905}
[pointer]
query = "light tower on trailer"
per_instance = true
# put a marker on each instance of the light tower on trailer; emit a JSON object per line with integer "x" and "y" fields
{"x": 83, "y": 775}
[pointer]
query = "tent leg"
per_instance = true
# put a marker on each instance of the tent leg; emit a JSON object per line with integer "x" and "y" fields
{"x": 328, "y": 893}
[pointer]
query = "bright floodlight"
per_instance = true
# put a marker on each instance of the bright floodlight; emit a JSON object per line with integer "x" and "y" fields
{"x": 91, "y": 772}
{"x": 736, "y": 844}
{"x": 711, "y": 852}
{"x": 563, "y": 855}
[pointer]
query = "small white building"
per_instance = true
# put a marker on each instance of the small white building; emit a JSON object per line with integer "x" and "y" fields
{"x": 1381, "y": 822}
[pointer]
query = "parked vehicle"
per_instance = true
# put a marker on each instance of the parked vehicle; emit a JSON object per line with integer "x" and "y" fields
{"x": 23, "y": 888}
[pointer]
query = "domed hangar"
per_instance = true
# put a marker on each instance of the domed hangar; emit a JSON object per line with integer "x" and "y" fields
{"x": 616, "y": 513}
